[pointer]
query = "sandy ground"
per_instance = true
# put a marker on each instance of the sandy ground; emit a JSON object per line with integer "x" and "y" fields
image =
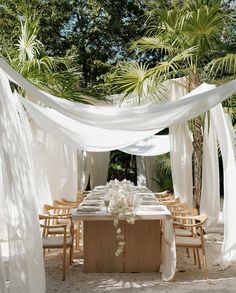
{"x": 188, "y": 277}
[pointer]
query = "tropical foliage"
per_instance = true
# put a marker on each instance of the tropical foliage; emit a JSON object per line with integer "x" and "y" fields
{"x": 56, "y": 75}
{"x": 196, "y": 39}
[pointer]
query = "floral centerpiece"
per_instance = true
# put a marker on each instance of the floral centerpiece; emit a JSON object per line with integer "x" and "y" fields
{"x": 122, "y": 202}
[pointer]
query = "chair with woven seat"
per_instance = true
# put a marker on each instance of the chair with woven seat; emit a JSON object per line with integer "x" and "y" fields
{"x": 183, "y": 213}
{"x": 66, "y": 208}
{"x": 176, "y": 206}
{"x": 195, "y": 241}
{"x": 63, "y": 240}
{"x": 82, "y": 194}
{"x": 63, "y": 201}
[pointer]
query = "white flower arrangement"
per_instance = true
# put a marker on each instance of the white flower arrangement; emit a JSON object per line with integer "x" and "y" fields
{"x": 122, "y": 201}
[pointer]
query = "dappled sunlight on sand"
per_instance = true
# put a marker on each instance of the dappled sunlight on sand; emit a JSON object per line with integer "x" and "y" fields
{"x": 188, "y": 277}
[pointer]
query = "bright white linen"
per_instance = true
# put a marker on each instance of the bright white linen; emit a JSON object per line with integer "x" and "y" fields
{"x": 210, "y": 193}
{"x": 143, "y": 118}
{"x": 141, "y": 171}
{"x": 146, "y": 172}
{"x": 18, "y": 211}
{"x": 89, "y": 138}
{"x": 83, "y": 169}
{"x": 181, "y": 162}
{"x": 99, "y": 164}
{"x": 232, "y": 131}
{"x": 152, "y": 146}
{"x": 181, "y": 147}
{"x": 58, "y": 163}
{"x": 228, "y": 252}
{"x": 168, "y": 251}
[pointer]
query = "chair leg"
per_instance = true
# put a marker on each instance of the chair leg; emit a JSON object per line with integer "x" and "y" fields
{"x": 71, "y": 254}
{"x": 194, "y": 256}
{"x": 204, "y": 260}
{"x": 64, "y": 264}
{"x": 187, "y": 250}
{"x": 198, "y": 257}
{"x": 77, "y": 238}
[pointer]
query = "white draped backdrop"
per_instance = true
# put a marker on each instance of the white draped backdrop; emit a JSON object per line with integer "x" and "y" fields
{"x": 71, "y": 141}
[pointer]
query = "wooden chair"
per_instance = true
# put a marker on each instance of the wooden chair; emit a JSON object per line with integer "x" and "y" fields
{"x": 81, "y": 195}
{"x": 170, "y": 200}
{"x": 184, "y": 232}
{"x": 60, "y": 209}
{"x": 65, "y": 202}
{"x": 163, "y": 195}
{"x": 195, "y": 241}
{"x": 176, "y": 206}
{"x": 61, "y": 240}
{"x": 183, "y": 213}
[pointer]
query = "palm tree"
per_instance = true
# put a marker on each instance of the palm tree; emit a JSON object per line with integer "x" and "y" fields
{"x": 56, "y": 75}
{"x": 195, "y": 38}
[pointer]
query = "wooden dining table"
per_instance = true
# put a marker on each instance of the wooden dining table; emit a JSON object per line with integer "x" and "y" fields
{"x": 143, "y": 239}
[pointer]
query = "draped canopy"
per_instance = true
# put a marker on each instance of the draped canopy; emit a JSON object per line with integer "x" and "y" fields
{"x": 97, "y": 129}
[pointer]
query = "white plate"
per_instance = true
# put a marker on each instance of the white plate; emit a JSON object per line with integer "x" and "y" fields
{"x": 149, "y": 203}
{"x": 152, "y": 208}
{"x": 87, "y": 209}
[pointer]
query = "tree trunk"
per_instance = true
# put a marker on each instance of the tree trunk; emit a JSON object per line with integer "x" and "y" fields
{"x": 197, "y": 160}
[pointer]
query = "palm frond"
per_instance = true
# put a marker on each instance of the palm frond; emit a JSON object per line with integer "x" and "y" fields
{"x": 163, "y": 164}
{"x": 28, "y": 44}
{"x": 172, "y": 65}
{"x": 154, "y": 43}
{"x": 131, "y": 80}
{"x": 225, "y": 64}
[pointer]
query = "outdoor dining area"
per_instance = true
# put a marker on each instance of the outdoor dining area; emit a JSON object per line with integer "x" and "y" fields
{"x": 60, "y": 236}
{"x": 134, "y": 235}
{"x": 117, "y": 146}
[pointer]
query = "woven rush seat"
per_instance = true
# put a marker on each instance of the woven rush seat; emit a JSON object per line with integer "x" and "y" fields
{"x": 183, "y": 232}
{"x": 189, "y": 241}
{"x": 53, "y": 242}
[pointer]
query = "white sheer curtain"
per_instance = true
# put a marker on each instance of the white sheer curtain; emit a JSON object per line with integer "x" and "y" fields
{"x": 99, "y": 165}
{"x": 152, "y": 146}
{"x": 181, "y": 147}
{"x": 89, "y": 138}
{"x": 181, "y": 162}
{"x": 141, "y": 171}
{"x": 228, "y": 252}
{"x": 20, "y": 239}
{"x": 146, "y": 172}
{"x": 143, "y": 118}
{"x": 56, "y": 162}
{"x": 83, "y": 169}
{"x": 210, "y": 193}
{"x": 232, "y": 131}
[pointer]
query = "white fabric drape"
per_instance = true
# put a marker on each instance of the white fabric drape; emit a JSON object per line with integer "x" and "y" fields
{"x": 89, "y": 138}
{"x": 181, "y": 147}
{"x": 210, "y": 193}
{"x": 143, "y": 118}
{"x": 151, "y": 146}
{"x": 181, "y": 162}
{"x": 228, "y": 252}
{"x": 99, "y": 164}
{"x": 83, "y": 169}
{"x": 141, "y": 171}
{"x": 168, "y": 251}
{"x": 232, "y": 131}
{"x": 19, "y": 215}
{"x": 58, "y": 163}
{"x": 146, "y": 172}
